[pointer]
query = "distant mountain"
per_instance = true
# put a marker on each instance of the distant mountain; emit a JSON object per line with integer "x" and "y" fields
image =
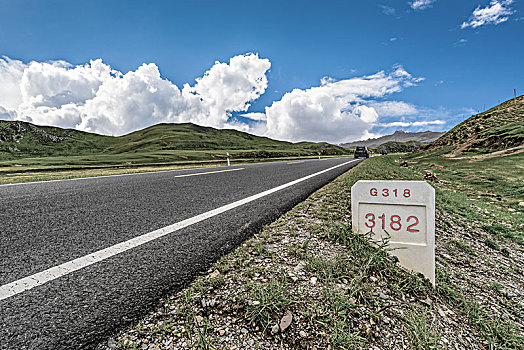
{"x": 499, "y": 128}
{"x": 398, "y": 136}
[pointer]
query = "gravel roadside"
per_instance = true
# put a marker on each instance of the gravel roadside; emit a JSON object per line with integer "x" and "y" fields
{"x": 306, "y": 282}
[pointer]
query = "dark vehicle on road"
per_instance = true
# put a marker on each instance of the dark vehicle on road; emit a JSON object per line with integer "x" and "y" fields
{"x": 361, "y": 151}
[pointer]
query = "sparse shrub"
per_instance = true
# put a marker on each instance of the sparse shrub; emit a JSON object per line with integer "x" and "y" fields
{"x": 492, "y": 244}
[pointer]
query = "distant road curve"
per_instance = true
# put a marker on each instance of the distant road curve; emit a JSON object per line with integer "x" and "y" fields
{"x": 81, "y": 258}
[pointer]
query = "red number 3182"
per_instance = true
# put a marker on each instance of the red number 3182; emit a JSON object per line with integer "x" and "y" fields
{"x": 395, "y": 222}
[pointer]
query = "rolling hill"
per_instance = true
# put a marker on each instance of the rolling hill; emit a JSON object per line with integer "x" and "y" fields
{"x": 29, "y": 144}
{"x": 483, "y": 156}
{"x": 500, "y": 128}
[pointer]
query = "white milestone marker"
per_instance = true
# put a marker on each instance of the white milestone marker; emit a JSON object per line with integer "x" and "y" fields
{"x": 403, "y": 212}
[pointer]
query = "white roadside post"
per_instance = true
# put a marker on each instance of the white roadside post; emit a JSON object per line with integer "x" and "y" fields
{"x": 228, "y": 163}
{"x": 404, "y": 213}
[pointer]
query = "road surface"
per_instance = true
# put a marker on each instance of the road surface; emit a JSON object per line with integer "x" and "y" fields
{"x": 80, "y": 259}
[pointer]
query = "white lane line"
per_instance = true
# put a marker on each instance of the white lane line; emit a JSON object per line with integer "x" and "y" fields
{"x": 210, "y": 172}
{"x": 27, "y": 283}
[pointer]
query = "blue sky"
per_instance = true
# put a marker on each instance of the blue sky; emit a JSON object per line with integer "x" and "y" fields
{"x": 465, "y": 64}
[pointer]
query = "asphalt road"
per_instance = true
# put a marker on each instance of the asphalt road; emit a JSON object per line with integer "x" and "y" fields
{"x": 43, "y": 225}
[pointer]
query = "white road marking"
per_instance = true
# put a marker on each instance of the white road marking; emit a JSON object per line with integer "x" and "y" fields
{"x": 296, "y": 162}
{"x": 210, "y": 172}
{"x": 40, "y": 278}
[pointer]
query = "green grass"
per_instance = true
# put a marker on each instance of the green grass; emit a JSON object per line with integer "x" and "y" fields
{"x": 161, "y": 146}
{"x": 497, "y": 332}
{"x": 422, "y": 331}
{"x": 269, "y": 302}
{"x": 157, "y": 144}
{"x": 498, "y": 128}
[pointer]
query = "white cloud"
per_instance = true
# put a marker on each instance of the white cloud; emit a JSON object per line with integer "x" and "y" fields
{"x": 336, "y": 111}
{"x": 94, "y": 97}
{"x": 97, "y": 98}
{"x": 460, "y": 42}
{"x": 255, "y": 116}
{"x": 393, "y": 108}
{"x": 11, "y": 72}
{"x": 495, "y": 13}
{"x": 421, "y": 4}
{"x": 418, "y": 123}
{"x": 388, "y": 10}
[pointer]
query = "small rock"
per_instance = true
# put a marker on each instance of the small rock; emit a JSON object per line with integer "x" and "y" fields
{"x": 214, "y": 274}
{"x": 221, "y": 332}
{"x": 373, "y": 279}
{"x": 285, "y": 322}
{"x": 383, "y": 296}
{"x": 431, "y": 177}
{"x": 427, "y": 301}
{"x": 271, "y": 248}
{"x": 274, "y": 329}
{"x": 313, "y": 280}
{"x": 302, "y": 334}
{"x": 299, "y": 267}
{"x": 244, "y": 331}
{"x": 111, "y": 343}
{"x": 199, "y": 319}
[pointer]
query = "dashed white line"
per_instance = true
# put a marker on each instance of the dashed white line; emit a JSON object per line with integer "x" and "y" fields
{"x": 40, "y": 278}
{"x": 210, "y": 172}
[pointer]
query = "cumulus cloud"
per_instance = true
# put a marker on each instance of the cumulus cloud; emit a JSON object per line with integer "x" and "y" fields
{"x": 11, "y": 72}
{"x": 96, "y": 98}
{"x": 421, "y": 4}
{"x": 257, "y": 116}
{"x": 498, "y": 11}
{"x": 335, "y": 111}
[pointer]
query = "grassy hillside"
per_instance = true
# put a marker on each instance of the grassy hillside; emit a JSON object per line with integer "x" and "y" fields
{"x": 21, "y": 139}
{"x": 29, "y": 147}
{"x": 482, "y": 156}
{"x": 499, "y": 128}
{"x": 396, "y": 147}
